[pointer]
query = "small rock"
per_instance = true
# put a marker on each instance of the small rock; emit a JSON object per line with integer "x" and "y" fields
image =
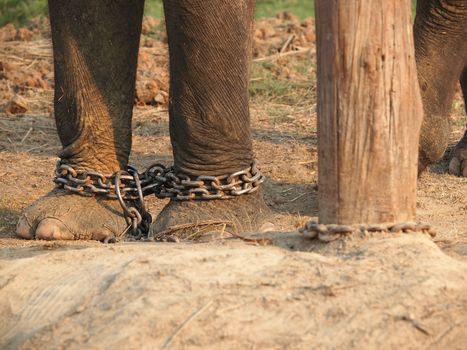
{"x": 8, "y": 33}
{"x": 24, "y": 34}
{"x": 161, "y": 97}
{"x": 17, "y": 105}
{"x": 310, "y": 36}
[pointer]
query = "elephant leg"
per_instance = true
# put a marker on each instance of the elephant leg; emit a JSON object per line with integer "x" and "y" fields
{"x": 440, "y": 30}
{"x": 209, "y": 47}
{"x": 458, "y": 163}
{"x": 95, "y": 46}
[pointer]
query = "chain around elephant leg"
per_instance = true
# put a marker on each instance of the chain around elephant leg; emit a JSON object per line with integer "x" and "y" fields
{"x": 229, "y": 204}
{"x": 198, "y": 204}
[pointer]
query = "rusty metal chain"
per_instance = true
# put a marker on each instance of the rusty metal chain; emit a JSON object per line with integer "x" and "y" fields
{"x": 130, "y": 188}
{"x": 136, "y": 216}
{"x": 329, "y": 233}
{"x": 161, "y": 181}
{"x": 91, "y": 183}
{"x": 183, "y": 187}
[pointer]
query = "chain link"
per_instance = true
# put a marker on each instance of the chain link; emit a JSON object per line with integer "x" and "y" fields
{"x": 130, "y": 188}
{"x": 159, "y": 180}
{"x": 90, "y": 183}
{"x": 183, "y": 187}
{"x": 329, "y": 233}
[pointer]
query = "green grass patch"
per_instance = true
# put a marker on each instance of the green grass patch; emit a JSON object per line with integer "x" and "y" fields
{"x": 269, "y": 8}
{"x": 154, "y": 8}
{"x": 283, "y": 88}
{"x": 20, "y": 12}
{"x": 268, "y": 82}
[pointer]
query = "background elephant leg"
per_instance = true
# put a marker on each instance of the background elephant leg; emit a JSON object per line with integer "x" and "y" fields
{"x": 209, "y": 46}
{"x": 440, "y": 30}
{"x": 95, "y": 45}
{"x": 458, "y": 163}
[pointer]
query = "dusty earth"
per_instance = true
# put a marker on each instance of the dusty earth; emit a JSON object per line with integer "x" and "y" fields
{"x": 394, "y": 291}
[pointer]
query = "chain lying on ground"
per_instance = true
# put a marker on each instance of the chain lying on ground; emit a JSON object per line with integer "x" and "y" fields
{"x": 130, "y": 187}
{"x": 329, "y": 233}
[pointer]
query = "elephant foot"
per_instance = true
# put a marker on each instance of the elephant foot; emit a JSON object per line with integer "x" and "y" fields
{"x": 434, "y": 139}
{"x": 63, "y": 216}
{"x": 192, "y": 220}
{"x": 458, "y": 163}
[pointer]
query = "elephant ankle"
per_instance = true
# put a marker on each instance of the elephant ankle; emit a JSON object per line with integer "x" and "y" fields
{"x": 105, "y": 168}
{"x": 101, "y": 163}
{"x": 213, "y": 163}
{"x": 103, "y": 156}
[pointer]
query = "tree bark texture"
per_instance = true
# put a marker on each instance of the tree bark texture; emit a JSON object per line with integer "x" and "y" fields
{"x": 369, "y": 111}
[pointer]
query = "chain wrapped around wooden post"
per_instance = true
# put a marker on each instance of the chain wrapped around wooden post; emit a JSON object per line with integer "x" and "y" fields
{"x": 328, "y": 233}
{"x": 369, "y": 115}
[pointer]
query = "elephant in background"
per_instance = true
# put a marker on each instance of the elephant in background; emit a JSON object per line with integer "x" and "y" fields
{"x": 440, "y": 32}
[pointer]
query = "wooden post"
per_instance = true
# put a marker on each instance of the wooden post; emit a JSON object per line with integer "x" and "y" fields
{"x": 369, "y": 111}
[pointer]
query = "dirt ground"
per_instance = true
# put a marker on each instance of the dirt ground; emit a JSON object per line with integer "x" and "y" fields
{"x": 404, "y": 291}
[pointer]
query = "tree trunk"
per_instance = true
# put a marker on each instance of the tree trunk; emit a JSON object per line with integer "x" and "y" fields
{"x": 369, "y": 111}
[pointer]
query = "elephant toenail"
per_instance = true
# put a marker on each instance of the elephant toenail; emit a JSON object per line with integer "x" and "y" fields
{"x": 454, "y": 167}
{"x": 464, "y": 168}
{"x": 51, "y": 229}
{"x": 267, "y": 227}
{"x": 24, "y": 229}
